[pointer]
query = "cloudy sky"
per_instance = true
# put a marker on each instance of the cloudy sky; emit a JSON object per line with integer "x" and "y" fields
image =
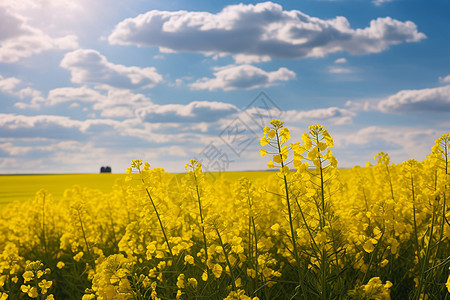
{"x": 85, "y": 83}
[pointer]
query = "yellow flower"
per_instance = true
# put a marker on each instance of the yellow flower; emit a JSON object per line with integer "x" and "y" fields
{"x": 78, "y": 256}
{"x": 448, "y": 284}
{"x": 275, "y": 227}
{"x": 238, "y": 282}
{"x": 205, "y": 275}
{"x": 45, "y": 285}
{"x": 189, "y": 259}
{"x": 129, "y": 170}
{"x": 192, "y": 282}
{"x": 270, "y": 165}
{"x": 3, "y": 296}
{"x": 50, "y": 297}
{"x": 368, "y": 246}
{"x": 60, "y": 265}
{"x": 179, "y": 293}
{"x": 136, "y": 163}
{"x": 263, "y": 152}
{"x": 28, "y": 276}
{"x": 217, "y": 270}
{"x": 277, "y": 158}
{"x": 285, "y": 133}
{"x": 307, "y": 140}
{"x": 264, "y": 141}
{"x": 277, "y": 123}
{"x": 31, "y": 291}
{"x": 271, "y": 134}
{"x": 180, "y": 281}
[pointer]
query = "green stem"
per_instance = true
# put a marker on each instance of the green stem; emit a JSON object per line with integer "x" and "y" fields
{"x": 416, "y": 236}
{"x": 225, "y": 253}
{"x": 201, "y": 218}
{"x": 91, "y": 259}
{"x": 43, "y": 228}
{"x": 256, "y": 251}
{"x": 291, "y": 222}
{"x": 424, "y": 265}
{"x": 324, "y": 258}
{"x": 159, "y": 218}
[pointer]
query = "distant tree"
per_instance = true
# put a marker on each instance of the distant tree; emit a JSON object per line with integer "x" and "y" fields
{"x": 106, "y": 169}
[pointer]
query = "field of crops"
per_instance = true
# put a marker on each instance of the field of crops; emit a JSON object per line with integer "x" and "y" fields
{"x": 23, "y": 187}
{"x": 303, "y": 231}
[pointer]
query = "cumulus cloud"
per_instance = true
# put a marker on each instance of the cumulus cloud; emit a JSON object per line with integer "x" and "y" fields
{"x": 111, "y": 103}
{"x": 401, "y": 143}
{"x": 49, "y": 126}
{"x": 431, "y": 99}
{"x": 196, "y": 111}
{"x": 19, "y": 40}
{"x": 88, "y": 66}
{"x": 70, "y": 94}
{"x": 27, "y": 4}
{"x": 333, "y": 114}
{"x": 256, "y": 118}
{"x": 259, "y": 32}
{"x": 10, "y": 85}
{"x": 445, "y": 79}
{"x": 247, "y": 77}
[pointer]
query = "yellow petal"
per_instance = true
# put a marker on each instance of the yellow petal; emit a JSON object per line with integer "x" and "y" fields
{"x": 264, "y": 141}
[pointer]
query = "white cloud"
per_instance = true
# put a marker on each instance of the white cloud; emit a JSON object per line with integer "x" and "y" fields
{"x": 69, "y": 94}
{"x": 13, "y": 125}
{"x": 338, "y": 70}
{"x": 30, "y": 4}
{"x": 256, "y": 117}
{"x": 400, "y": 142}
{"x": 247, "y": 77}
{"x": 362, "y": 105}
{"x": 19, "y": 40}
{"x": 88, "y": 66}
{"x": 8, "y": 85}
{"x": 194, "y": 112}
{"x": 341, "y": 60}
{"x": 380, "y": 2}
{"x": 445, "y": 79}
{"x": 121, "y": 103}
{"x": 111, "y": 103}
{"x": 431, "y": 99}
{"x": 260, "y": 32}
{"x": 334, "y": 115}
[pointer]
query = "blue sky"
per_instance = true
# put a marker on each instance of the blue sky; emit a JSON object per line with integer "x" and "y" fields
{"x": 85, "y": 84}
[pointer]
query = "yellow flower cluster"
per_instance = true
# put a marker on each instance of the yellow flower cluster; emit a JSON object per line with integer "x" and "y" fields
{"x": 307, "y": 231}
{"x": 374, "y": 289}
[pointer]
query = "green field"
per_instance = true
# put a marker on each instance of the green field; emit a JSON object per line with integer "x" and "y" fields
{"x": 24, "y": 187}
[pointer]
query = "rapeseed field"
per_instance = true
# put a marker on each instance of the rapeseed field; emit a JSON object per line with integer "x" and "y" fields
{"x": 303, "y": 231}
